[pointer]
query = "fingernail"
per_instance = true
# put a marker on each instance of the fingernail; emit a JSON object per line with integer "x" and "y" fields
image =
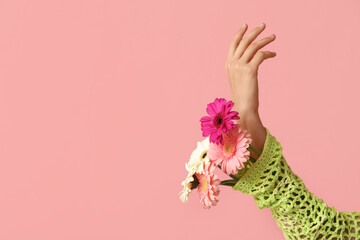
{"x": 262, "y": 25}
{"x": 243, "y": 25}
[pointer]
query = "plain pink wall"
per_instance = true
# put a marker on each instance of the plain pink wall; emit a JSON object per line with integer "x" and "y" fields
{"x": 100, "y": 104}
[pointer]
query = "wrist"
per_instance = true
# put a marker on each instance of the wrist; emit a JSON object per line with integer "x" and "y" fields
{"x": 249, "y": 118}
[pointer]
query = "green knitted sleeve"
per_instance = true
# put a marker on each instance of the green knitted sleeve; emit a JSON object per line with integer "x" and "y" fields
{"x": 298, "y": 212}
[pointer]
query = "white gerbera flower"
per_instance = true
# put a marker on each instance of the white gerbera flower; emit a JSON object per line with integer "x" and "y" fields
{"x": 198, "y": 159}
{"x": 184, "y": 194}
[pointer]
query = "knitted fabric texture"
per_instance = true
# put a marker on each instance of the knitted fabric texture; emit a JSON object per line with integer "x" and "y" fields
{"x": 298, "y": 213}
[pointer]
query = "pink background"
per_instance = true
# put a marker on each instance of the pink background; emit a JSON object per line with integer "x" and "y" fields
{"x": 100, "y": 104}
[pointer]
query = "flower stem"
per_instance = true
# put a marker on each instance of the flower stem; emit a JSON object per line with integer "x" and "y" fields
{"x": 254, "y": 150}
{"x": 252, "y": 160}
{"x": 233, "y": 176}
{"x": 229, "y": 182}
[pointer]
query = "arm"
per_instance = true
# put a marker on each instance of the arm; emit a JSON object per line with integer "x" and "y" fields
{"x": 270, "y": 180}
{"x": 242, "y": 69}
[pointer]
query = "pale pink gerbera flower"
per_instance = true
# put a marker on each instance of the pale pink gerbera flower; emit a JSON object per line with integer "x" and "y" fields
{"x": 233, "y": 153}
{"x": 208, "y": 187}
{"x": 219, "y": 121}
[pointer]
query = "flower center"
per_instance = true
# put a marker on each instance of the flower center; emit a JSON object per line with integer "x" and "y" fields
{"x": 228, "y": 148}
{"x": 204, "y": 184}
{"x": 204, "y": 154}
{"x": 218, "y": 121}
{"x": 194, "y": 184}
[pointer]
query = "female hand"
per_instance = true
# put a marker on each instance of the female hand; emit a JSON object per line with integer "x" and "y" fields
{"x": 241, "y": 68}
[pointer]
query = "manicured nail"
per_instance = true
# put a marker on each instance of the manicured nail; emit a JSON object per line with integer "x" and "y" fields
{"x": 262, "y": 25}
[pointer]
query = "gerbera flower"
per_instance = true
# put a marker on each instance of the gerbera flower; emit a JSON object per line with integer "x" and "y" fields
{"x": 184, "y": 194}
{"x": 219, "y": 121}
{"x": 208, "y": 187}
{"x": 233, "y": 153}
{"x": 198, "y": 159}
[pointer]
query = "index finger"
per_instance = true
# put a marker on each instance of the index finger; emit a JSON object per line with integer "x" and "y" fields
{"x": 235, "y": 42}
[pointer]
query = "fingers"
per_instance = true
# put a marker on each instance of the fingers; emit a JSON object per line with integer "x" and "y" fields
{"x": 235, "y": 42}
{"x": 255, "y": 46}
{"x": 260, "y": 57}
{"x": 244, "y": 49}
{"x": 246, "y": 41}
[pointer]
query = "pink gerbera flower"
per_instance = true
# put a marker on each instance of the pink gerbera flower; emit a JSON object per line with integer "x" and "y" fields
{"x": 219, "y": 121}
{"x": 233, "y": 153}
{"x": 208, "y": 187}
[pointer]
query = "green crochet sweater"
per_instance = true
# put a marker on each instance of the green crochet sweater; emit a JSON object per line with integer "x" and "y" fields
{"x": 298, "y": 212}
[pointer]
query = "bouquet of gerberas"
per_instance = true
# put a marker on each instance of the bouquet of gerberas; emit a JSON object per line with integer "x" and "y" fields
{"x": 225, "y": 146}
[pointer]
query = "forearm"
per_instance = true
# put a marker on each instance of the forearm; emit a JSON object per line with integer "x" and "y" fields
{"x": 251, "y": 122}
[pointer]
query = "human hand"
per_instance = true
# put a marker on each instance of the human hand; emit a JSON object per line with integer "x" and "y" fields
{"x": 242, "y": 67}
